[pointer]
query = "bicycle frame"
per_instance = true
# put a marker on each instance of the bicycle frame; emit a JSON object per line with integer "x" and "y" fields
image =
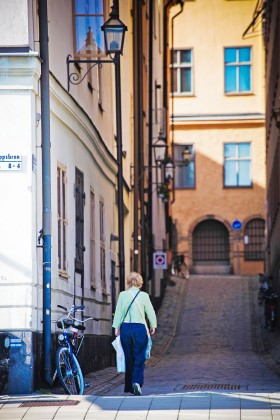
{"x": 70, "y": 342}
{"x": 68, "y": 368}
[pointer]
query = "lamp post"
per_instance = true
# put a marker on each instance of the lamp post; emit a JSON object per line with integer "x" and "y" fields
{"x": 114, "y": 31}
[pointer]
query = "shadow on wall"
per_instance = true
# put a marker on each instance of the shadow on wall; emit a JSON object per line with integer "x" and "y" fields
{"x": 210, "y": 200}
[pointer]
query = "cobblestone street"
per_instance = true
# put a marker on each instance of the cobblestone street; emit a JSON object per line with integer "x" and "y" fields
{"x": 212, "y": 366}
{"x": 214, "y": 344}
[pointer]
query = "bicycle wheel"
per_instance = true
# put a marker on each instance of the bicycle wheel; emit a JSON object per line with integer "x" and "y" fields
{"x": 69, "y": 372}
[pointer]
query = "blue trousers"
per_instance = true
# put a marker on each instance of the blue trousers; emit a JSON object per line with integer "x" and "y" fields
{"x": 134, "y": 341}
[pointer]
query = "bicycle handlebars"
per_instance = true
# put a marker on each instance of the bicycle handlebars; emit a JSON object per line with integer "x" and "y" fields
{"x": 77, "y": 308}
{"x": 73, "y": 308}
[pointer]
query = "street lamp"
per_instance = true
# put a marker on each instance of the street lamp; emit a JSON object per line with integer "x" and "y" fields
{"x": 187, "y": 155}
{"x": 169, "y": 170}
{"x": 114, "y": 32}
{"x": 160, "y": 147}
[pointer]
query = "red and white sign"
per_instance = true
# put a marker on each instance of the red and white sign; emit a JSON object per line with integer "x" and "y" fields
{"x": 160, "y": 260}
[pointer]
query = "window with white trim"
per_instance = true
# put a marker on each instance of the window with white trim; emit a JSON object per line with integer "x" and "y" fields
{"x": 61, "y": 218}
{"x": 102, "y": 244}
{"x": 89, "y": 16}
{"x": 238, "y": 66}
{"x": 92, "y": 239}
{"x": 237, "y": 165}
{"x": 182, "y": 71}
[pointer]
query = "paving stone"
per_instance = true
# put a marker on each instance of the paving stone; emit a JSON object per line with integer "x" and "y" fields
{"x": 209, "y": 338}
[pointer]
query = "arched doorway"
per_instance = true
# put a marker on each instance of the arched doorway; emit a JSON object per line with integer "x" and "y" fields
{"x": 210, "y": 248}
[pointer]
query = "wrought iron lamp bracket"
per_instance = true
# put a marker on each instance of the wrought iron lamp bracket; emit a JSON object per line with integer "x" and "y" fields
{"x": 75, "y": 78}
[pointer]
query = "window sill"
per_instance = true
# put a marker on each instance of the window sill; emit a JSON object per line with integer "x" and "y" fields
{"x": 63, "y": 274}
{"x": 185, "y": 188}
{"x": 182, "y": 95}
{"x": 241, "y": 187}
{"x": 229, "y": 94}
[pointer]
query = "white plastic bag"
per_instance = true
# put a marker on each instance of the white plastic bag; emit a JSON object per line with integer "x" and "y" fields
{"x": 149, "y": 348}
{"x": 120, "y": 359}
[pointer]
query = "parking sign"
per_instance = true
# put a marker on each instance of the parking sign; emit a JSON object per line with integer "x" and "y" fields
{"x": 160, "y": 260}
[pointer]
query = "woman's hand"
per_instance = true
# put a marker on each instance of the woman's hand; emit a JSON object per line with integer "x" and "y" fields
{"x": 117, "y": 332}
{"x": 152, "y": 331}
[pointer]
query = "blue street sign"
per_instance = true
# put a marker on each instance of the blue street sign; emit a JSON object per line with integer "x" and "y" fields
{"x": 236, "y": 225}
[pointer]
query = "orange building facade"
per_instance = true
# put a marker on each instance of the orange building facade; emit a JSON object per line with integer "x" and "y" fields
{"x": 218, "y": 137}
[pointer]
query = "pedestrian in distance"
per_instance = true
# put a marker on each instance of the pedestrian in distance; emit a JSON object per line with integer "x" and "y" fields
{"x": 129, "y": 322}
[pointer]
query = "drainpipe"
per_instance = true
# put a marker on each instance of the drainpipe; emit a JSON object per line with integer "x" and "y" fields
{"x": 46, "y": 187}
{"x": 138, "y": 119}
{"x": 165, "y": 46}
{"x": 172, "y": 99}
{"x": 150, "y": 151}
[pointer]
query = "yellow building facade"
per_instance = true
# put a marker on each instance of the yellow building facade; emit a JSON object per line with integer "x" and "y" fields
{"x": 218, "y": 137}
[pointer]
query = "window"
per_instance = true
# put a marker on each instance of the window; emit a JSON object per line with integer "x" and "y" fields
{"x": 184, "y": 166}
{"x": 89, "y": 17}
{"x": 102, "y": 245}
{"x": 100, "y": 84}
{"x": 237, "y": 165}
{"x": 182, "y": 71}
{"x": 254, "y": 240}
{"x": 92, "y": 239}
{"x": 79, "y": 204}
{"x": 61, "y": 218}
{"x": 238, "y": 70}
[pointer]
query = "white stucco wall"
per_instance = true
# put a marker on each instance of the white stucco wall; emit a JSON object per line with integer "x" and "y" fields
{"x": 17, "y": 265}
{"x": 14, "y": 23}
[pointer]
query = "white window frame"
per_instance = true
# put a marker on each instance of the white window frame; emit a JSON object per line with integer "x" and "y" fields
{"x": 75, "y": 16}
{"x": 237, "y": 161}
{"x": 178, "y": 66}
{"x": 238, "y": 64}
{"x": 92, "y": 241}
{"x": 62, "y": 221}
{"x": 102, "y": 245}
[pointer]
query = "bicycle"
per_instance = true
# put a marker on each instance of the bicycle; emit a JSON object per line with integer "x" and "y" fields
{"x": 270, "y": 299}
{"x": 70, "y": 341}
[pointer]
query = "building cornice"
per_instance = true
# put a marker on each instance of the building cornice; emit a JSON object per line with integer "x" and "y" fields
{"x": 255, "y": 119}
{"x": 217, "y": 117}
{"x": 20, "y": 71}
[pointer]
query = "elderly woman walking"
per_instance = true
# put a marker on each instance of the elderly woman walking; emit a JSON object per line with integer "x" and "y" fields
{"x": 129, "y": 322}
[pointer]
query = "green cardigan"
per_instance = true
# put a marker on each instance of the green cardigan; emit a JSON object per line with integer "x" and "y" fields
{"x": 134, "y": 314}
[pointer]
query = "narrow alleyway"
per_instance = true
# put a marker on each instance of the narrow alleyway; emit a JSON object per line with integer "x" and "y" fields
{"x": 206, "y": 369}
{"x": 213, "y": 345}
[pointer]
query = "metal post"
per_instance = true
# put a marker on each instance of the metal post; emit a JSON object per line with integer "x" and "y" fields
{"x": 138, "y": 130}
{"x": 150, "y": 151}
{"x": 46, "y": 187}
{"x": 120, "y": 170}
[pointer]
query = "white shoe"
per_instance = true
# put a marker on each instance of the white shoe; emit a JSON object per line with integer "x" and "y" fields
{"x": 137, "y": 389}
